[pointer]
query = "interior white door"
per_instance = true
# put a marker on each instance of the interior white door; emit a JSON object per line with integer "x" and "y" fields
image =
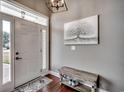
{"x": 6, "y": 52}
{"x": 28, "y": 63}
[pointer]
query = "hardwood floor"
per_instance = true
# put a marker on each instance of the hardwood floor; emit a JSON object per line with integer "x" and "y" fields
{"x": 55, "y": 86}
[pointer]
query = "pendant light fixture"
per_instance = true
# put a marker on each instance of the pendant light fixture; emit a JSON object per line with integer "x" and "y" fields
{"x": 56, "y": 5}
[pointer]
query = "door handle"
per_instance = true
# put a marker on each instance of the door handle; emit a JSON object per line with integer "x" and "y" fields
{"x": 18, "y": 58}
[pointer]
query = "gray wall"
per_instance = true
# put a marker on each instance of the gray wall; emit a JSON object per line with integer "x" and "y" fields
{"x": 37, "y": 5}
{"x": 107, "y": 58}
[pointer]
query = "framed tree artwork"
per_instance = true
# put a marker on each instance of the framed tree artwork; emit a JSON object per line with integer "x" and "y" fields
{"x": 84, "y": 31}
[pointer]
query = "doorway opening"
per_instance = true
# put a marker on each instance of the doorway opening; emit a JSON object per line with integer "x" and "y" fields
{"x": 32, "y": 61}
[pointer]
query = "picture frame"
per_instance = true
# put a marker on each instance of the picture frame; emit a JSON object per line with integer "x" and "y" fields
{"x": 83, "y": 31}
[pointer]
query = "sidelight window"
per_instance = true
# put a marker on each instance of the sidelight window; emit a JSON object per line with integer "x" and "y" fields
{"x": 6, "y": 59}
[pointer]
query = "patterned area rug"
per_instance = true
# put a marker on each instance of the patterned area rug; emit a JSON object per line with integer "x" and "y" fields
{"x": 34, "y": 85}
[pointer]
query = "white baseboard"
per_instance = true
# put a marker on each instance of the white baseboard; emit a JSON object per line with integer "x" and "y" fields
{"x": 102, "y": 90}
{"x": 54, "y": 73}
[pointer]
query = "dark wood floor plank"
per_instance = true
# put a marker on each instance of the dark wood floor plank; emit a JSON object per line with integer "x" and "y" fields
{"x": 55, "y": 86}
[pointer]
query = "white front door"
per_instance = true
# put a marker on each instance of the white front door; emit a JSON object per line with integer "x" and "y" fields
{"x": 23, "y": 51}
{"x": 6, "y": 52}
{"x": 28, "y": 59}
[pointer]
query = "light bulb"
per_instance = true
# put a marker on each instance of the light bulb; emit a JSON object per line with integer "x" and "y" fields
{"x": 62, "y": 1}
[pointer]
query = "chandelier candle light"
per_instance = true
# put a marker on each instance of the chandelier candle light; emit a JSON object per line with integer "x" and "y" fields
{"x": 56, "y": 5}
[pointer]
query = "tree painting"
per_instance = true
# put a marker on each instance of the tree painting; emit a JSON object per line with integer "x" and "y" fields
{"x": 84, "y": 31}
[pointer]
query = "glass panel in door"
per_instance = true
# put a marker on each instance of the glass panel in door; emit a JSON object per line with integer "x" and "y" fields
{"x": 6, "y": 52}
{"x": 6, "y": 38}
{"x": 44, "y": 49}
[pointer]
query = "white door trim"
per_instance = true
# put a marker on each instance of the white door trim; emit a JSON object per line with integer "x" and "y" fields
{"x": 6, "y": 87}
{"x": 10, "y": 85}
{"x": 0, "y": 52}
